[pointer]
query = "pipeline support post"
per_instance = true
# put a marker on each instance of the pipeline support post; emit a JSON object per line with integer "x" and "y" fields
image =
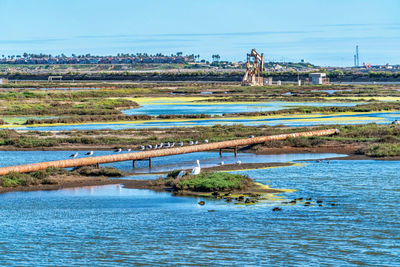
{"x": 235, "y": 151}
{"x": 145, "y": 159}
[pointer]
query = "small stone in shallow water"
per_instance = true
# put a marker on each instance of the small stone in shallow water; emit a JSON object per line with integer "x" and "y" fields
{"x": 240, "y": 198}
{"x": 201, "y": 203}
{"x": 211, "y": 210}
{"x": 319, "y": 201}
{"x": 276, "y": 209}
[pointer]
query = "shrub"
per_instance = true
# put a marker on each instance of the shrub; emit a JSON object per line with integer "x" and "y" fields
{"x": 91, "y": 171}
{"x": 13, "y": 179}
{"x": 383, "y": 150}
{"x": 217, "y": 181}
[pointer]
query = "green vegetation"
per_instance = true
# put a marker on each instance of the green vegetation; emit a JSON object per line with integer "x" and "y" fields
{"x": 41, "y": 177}
{"x": 217, "y": 181}
{"x": 49, "y": 176}
{"x": 205, "y": 182}
{"x": 91, "y": 171}
{"x": 382, "y": 150}
{"x": 84, "y": 107}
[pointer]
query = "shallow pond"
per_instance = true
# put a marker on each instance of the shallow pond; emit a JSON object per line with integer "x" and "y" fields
{"x": 111, "y": 225}
{"x": 288, "y": 120}
{"x": 182, "y": 105}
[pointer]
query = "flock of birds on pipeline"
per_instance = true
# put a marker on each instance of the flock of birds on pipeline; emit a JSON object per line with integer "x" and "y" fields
{"x": 151, "y": 147}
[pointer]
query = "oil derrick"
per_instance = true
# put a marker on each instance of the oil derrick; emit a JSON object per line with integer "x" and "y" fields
{"x": 254, "y": 69}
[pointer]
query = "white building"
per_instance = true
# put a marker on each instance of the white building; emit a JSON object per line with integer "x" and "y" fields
{"x": 318, "y": 78}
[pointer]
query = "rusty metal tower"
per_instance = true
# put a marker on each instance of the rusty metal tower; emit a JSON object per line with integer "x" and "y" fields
{"x": 254, "y": 69}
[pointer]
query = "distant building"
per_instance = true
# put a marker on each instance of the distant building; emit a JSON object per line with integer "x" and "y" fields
{"x": 318, "y": 78}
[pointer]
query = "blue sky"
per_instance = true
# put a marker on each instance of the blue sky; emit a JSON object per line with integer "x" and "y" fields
{"x": 320, "y": 31}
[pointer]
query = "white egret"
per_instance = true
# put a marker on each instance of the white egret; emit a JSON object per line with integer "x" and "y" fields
{"x": 196, "y": 170}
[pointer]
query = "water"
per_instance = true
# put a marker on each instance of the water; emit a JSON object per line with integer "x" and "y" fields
{"x": 111, "y": 225}
{"x": 331, "y": 92}
{"x": 162, "y": 164}
{"x": 287, "y": 120}
{"x": 181, "y": 107}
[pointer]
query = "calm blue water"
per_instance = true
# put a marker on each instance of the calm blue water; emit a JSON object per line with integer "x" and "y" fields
{"x": 211, "y": 108}
{"x": 322, "y": 119}
{"x": 111, "y": 225}
{"x": 163, "y": 164}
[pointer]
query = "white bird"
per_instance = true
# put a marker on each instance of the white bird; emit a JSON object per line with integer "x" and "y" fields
{"x": 167, "y": 145}
{"x": 74, "y": 155}
{"x": 206, "y": 141}
{"x": 161, "y": 145}
{"x": 196, "y": 142}
{"x": 89, "y": 153}
{"x": 222, "y": 163}
{"x": 118, "y": 150}
{"x": 129, "y": 150}
{"x": 142, "y": 148}
{"x": 181, "y": 174}
{"x": 150, "y": 146}
{"x": 251, "y": 136}
{"x": 173, "y": 144}
{"x": 180, "y": 144}
{"x": 197, "y": 169}
{"x": 156, "y": 146}
{"x": 191, "y": 143}
{"x": 238, "y": 162}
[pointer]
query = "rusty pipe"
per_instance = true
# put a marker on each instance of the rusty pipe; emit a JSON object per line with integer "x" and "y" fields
{"x": 157, "y": 153}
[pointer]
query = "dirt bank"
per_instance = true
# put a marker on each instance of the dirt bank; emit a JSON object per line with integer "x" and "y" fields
{"x": 73, "y": 181}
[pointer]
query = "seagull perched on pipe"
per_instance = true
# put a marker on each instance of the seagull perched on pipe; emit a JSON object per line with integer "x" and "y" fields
{"x": 206, "y": 141}
{"x": 197, "y": 169}
{"x": 129, "y": 150}
{"x": 74, "y": 155}
{"x": 196, "y": 142}
{"x": 89, "y": 153}
{"x": 191, "y": 143}
{"x": 180, "y": 144}
{"x": 142, "y": 148}
{"x": 118, "y": 150}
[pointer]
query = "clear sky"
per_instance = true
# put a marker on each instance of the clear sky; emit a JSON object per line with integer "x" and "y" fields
{"x": 323, "y": 32}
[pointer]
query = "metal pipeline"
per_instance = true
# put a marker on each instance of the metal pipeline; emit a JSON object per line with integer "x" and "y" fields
{"x": 158, "y": 153}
